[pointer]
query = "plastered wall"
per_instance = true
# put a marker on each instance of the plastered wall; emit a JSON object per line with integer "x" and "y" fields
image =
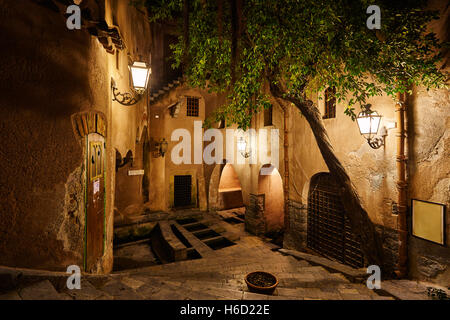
{"x": 48, "y": 74}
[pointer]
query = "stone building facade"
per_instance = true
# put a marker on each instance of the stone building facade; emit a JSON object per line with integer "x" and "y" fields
{"x": 56, "y": 104}
{"x": 44, "y": 192}
{"x": 372, "y": 171}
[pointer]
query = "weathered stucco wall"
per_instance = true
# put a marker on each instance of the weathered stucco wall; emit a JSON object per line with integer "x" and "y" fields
{"x": 41, "y": 88}
{"x": 429, "y": 176}
{"x": 373, "y": 172}
{"x": 48, "y": 74}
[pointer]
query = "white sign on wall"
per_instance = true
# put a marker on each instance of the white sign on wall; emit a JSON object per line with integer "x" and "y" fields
{"x": 96, "y": 186}
{"x": 135, "y": 172}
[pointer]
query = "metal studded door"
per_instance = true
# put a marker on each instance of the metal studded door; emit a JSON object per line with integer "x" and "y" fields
{"x": 328, "y": 230}
{"x": 95, "y": 200}
{"x": 182, "y": 191}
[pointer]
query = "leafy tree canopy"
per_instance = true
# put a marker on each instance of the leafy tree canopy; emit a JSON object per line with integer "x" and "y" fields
{"x": 305, "y": 45}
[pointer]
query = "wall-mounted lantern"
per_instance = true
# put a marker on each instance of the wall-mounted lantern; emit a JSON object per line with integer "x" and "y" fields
{"x": 368, "y": 124}
{"x": 161, "y": 148}
{"x": 242, "y": 147}
{"x": 140, "y": 74}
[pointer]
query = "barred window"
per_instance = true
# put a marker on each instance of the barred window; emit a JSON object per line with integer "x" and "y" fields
{"x": 330, "y": 103}
{"x": 192, "y": 106}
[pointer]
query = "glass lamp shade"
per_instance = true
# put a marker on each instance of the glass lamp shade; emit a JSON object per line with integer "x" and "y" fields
{"x": 140, "y": 73}
{"x": 241, "y": 145}
{"x": 368, "y": 123}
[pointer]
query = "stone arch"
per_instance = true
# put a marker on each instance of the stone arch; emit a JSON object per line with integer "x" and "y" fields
{"x": 328, "y": 227}
{"x": 225, "y": 190}
{"x": 271, "y": 185}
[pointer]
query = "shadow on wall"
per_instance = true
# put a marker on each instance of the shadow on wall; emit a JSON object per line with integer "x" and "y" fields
{"x": 41, "y": 70}
{"x": 128, "y": 191}
{"x": 45, "y": 78}
{"x": 271, "y": 185}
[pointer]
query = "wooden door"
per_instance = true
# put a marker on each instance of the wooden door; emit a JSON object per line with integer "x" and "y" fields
{"x": 95, "y": 200}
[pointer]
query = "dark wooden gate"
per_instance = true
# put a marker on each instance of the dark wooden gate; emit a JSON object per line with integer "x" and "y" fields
{"x": 95, "y": 197}
{"x": 328, "y": 230}
{"x": 182, "y": 190}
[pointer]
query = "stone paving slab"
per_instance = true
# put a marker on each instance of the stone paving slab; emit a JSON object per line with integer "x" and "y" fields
{"x": 43, "y": 290}
{"x": 220, "y": 275}
{"x": 12, "y": 295}
{"x": 87, "y": 291}
{"x": 355, "y": 274}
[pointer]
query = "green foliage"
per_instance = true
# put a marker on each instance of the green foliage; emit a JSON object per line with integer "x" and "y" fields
{"x": 159, "y": 9}
{"x": 307, "y": 45}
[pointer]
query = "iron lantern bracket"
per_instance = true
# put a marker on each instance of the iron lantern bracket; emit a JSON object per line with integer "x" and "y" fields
{"x": 376, "y": 142}
{"x": 126, "y": 99}
{"x": 245, "y": 154}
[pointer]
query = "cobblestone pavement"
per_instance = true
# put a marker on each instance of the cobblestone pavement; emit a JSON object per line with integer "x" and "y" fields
{"x": 218, "y": 275}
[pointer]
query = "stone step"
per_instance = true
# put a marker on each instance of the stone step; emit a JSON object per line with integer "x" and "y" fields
{"x": 43, "y": 290}
{"x": 356, "y": 275}
{"x": 166, "y": 244}
{"x": 11, "y": 295}
{"x": 214, "y": 239}
{"x": 143, "y": 218}
{"x": 246, "y": 266}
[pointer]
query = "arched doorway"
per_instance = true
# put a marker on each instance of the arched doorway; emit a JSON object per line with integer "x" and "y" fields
{"x": 225, "y": 191}
{"x": 271, "y": 185}
{"x": 328, "y": 228}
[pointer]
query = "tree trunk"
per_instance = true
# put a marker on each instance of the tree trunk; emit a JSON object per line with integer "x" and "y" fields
{"x": 359, "y": 220}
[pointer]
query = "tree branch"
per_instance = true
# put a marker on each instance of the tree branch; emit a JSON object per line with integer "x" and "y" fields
{"x": 360, "y": 222}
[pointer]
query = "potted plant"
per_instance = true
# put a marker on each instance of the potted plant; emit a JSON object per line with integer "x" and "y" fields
{"x": 261, "y": 282}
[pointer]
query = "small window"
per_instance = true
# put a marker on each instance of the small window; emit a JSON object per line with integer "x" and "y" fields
{"x": 330, "y": 103}
{"x": 96, "y": 160}
{"x": 268, "y": 116}
{"x": 192, "y": 106}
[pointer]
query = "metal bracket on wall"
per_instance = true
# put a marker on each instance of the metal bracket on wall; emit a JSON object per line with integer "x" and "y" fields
{"x": 126, "y": 99}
